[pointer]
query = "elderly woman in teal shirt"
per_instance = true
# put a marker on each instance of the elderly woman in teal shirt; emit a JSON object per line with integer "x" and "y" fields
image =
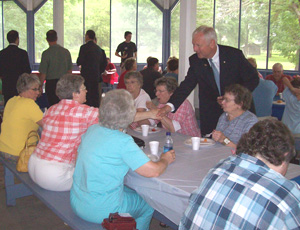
{"x": 104, "y": 157}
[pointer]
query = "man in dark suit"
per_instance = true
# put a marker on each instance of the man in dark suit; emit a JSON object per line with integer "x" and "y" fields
{"x": 212, "y": 67}
{"x": 150, "y": 74}
{"x": 13, "y": 62}
{"x": 93, "y": 63}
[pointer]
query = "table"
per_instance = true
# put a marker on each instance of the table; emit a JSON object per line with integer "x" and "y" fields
{"x": 169, "y": 193}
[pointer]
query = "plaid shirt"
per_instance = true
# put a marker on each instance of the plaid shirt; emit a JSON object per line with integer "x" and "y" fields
{"x": 241, "y": 192}
{"x": 63, "y": 125}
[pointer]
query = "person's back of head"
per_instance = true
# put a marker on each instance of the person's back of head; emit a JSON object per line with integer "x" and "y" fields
{"x": 296, "y": 83}
{"x": 12, "y": 36}
{"x": 172, "y": 64}
{"x": 51, "y": 36}
{"x": 151, "y": 62}
{"x": 90, "y": 34}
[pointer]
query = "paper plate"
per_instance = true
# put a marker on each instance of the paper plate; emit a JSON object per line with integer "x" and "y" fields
{"x": 203, "y": 142}
{"x": 151, "y": 130}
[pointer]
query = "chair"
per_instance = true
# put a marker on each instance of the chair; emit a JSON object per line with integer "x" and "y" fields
{"x": 263, "y": 97}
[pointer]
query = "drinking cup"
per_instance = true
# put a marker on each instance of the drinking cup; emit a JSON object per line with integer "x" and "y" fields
{"x": 195, "y": 143}
{"x": 154, "y": 147}
{"x": 145, "y": 130}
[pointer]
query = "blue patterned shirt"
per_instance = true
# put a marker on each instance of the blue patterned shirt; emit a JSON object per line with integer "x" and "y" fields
{"x": 241, "y": 192}
{"x": 235, "y": 128}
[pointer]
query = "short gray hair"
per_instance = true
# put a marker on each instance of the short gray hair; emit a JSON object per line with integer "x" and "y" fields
{"x": 67, "y": 85}
{"x": 117, "y": 109}
{"x": 26, "y": 81}
{"x": 170, "y": 83}
{"x": 209, "y": 33}
{"x": 136, "y": 75}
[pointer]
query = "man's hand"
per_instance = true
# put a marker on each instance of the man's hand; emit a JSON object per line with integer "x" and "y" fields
{"x": 164, "y": 111}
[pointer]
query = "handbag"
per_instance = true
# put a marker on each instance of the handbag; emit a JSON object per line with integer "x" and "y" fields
{"x": 22, "y": 164}
{"x": 116, "y": 221}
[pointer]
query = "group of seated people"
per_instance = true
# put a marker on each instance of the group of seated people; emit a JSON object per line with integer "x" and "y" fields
{"x": 85, "y": 149}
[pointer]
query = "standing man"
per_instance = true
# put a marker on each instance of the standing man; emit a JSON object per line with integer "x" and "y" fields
{"x": 127, "y": 49}
{"x": 212, "y": 67}
{"x": 56, "y": 62}
{"x": 13, "y": 62}
{"x": 150, "y": 74}
{"x": 93, "y": 63}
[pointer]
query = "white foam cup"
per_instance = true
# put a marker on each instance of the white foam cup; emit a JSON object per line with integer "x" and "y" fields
{"x": 195, "y": 143}
{"x": 154, "y": 147}
{"x": 145, "y": 130}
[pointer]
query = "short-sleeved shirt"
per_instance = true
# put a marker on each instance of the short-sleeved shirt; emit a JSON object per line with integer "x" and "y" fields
{"x": 128, "y": 48}
{"x": 140, "y": 101}
{"x": 279, "y": 83}
{"x": 242, "y": 192}
{"x": 291, "y": 114}
{"x": 104, "y": 158}
{"x": 19, "y": 118}
{"x": 235, "y": 128}
{"x": 56, "y": 61}
{"x": 63, "y": 125}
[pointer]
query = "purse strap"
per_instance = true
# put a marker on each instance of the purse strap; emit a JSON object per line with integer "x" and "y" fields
{"x": 31, "y": 134}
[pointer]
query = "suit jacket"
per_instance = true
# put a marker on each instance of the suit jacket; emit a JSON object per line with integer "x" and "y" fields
{"x": 234, "y": 69}
{"x": 149, "y": 77}
{"x": 13, "y": 62}
{"x": 92, "y": 60}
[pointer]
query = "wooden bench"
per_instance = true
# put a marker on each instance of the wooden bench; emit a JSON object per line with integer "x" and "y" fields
{"x": 58, "y": 202}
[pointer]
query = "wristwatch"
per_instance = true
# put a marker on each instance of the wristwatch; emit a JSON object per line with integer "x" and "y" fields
{"x": 226, "y": 141}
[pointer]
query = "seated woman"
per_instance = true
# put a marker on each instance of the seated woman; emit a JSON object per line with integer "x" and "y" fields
{"x": 52, "y": 163}
{"x": 236, "y": 119}
{"x": 291, "y": 115}
{"x": 130, "y": 65}
{"x": 183, "y": 120}
{"x": 134, "y": 82}
{"x": 104, "y": 157}
{"x": 21, "y": 116}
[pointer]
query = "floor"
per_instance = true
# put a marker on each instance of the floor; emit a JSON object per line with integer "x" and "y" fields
{"x": 31, "y": 214}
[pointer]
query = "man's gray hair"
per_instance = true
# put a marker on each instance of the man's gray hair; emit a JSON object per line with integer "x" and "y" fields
{"x": 277, "y": 65}
{"x": 26, "y": 81}
{"x": 67, "y": 85}
{"x": 209, "y": 33}
{"x": 117, "y": 109}
{"x": 136, "y": 75}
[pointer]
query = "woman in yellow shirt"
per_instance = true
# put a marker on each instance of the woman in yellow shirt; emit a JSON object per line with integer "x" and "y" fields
{"x": 21, "y": 115}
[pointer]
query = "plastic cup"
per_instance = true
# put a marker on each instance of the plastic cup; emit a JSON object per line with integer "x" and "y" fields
{"x": 154, "y": 147}
{"x": 145, "y": 130}
{"x": 195, "y": 143}
{"x": 280, "y": 96}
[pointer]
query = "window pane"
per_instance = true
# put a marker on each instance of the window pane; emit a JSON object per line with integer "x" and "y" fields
{"x": 149, "y": 31}
{"x": 205, "y": 12}
{"x": 284, "y": 35}
{"x": 175, "y": 22}
{"x": 123, "y": 18}
{"x": 227, "y": 22}
{"x": 99, "y": 22}
{"x": 15, "y": 19}
{"x": 73, "y": 26}
{"x": 254, "y": 30}
{"x": 43, "y": 21}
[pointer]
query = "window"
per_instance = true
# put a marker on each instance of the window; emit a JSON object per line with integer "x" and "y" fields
{"x": 73, "y": 27}
{"x": 175, "y": 21}
{"x": 245, "y": 24}
{"x": 15, "y": 19}
{"x": 43, "y": 21}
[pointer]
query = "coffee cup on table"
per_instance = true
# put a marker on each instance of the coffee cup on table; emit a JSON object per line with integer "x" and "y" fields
{"x": 195, "y": 143}
{"x": 154, "y": 147}
{"x": 145, "y": 130}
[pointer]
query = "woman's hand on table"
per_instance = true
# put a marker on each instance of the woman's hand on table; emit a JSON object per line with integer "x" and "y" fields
{"x": 218, "y": 136}
{"x": 168, "y": 156}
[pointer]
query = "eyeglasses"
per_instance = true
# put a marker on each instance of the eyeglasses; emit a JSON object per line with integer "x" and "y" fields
{"x": 35, "y": 89}
{"x": 83, "y": 88}
{"x": 130, "y": 82}
{"x": 227, "y": 99}
{"x": 159, "y": 91}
